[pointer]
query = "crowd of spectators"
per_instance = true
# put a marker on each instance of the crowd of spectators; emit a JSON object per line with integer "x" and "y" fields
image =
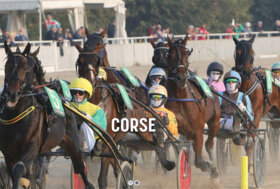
{"x": 159, "y": 34}
{"x": 235, "y": 29}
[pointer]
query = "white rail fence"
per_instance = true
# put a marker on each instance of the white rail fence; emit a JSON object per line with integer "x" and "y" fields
{"x": 141, "y": 53}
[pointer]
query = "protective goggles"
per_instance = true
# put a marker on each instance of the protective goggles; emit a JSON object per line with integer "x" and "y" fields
{"x": 231, "y": 80}
{"x": 216, "y": 73}
{"x": 154, "y": 77}
{"x": 74, "y": 92}
{"x": 156, "y": 97}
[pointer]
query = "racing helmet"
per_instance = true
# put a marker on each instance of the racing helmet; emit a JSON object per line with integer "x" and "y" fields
{"x": 275, "y": 66}
{"x": 81, "y": 84}
{"x": 233, "y": 75}
{"x": 158, "y": 89}
{"x": 215, "y": 66}
{"x": 157, "y": 95}
{"x": 158, "y": 72}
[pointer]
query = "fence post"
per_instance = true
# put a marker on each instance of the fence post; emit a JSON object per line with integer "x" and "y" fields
{"x": 55, "y": 55}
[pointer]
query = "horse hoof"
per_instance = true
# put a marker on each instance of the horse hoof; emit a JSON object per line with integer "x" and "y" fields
{"x": 90, "y": 186}
{"x": 169, "y": 165}
{"x": 205, "y": 166}
{"x": 214, "y": 173}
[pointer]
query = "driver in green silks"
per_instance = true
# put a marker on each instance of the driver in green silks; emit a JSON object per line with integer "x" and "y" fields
{"x": 81, "y": 90}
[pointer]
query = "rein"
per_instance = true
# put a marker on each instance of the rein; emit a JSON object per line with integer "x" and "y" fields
{"x": 19, "y": 117}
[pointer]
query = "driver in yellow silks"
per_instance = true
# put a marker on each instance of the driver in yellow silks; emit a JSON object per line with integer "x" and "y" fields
{"x": 158, "y": 97}
{"x": 81, "y": 90}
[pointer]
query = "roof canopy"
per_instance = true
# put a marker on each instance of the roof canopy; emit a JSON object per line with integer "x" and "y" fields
{"x": 29, "y": 5}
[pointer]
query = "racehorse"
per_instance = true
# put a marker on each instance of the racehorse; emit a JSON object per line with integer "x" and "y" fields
{"x": 27, "y": 126}
{"x": 253, "y": 84}
{"x": 186, "y": 100}
{"x": 106, "y": 96}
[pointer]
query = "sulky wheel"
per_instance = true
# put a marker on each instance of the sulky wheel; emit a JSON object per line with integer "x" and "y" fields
{"x": 76, "y": 179}
{"x": 222, "y": 154}
{"x": 273, "y": 142}
{"x": 259, "y": 162}
{"x": 128, "y": 172}
{"x": 184, "y": 170}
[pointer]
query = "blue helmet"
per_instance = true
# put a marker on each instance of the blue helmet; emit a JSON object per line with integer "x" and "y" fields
{"x": 275, "y": 66}
{"x": 233, "y": 74}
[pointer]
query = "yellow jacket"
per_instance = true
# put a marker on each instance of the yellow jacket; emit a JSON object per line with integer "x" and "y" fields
{"x": 173, "y": 125}
{"x": 97, "y": 114}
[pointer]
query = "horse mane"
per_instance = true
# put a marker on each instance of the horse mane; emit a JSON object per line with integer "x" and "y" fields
{"x": 40, "y": 74}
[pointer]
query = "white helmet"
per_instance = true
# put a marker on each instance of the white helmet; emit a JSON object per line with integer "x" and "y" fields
{"x": 157, "y": 71}
{"x": 157, "y": 76}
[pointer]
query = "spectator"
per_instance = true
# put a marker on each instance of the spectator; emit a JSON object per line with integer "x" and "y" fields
{"x": 152, "y": 29}
{"x": 59, "y": 36}
{"x": 247, "y": 28}
{"x": 259, "y": 27}
{"x": 238, "y": 28}
{"x": 80, "y": 33}
{"x": 1, "y": 35}
{"x": 111, "y": 30}
{"x": 21, "y": 36}
{"x": 190, "y": 32}
{"x": 50, "y": 35}
{"x": 229, "y": 29}
{"x": 158, "y": 33}
{"x": 68, "y": 36}
{"x": 10, "y": 41}
{"x": 196, "y": 31}
{"x": 52, "y": 23}
{"x": 277, "y": 26}
{"x": 100, "y": 30}
{"x": 203, "y": 31}
{"x": 6, "y": 36}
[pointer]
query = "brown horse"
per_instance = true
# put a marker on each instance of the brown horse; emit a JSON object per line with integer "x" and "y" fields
{"x": 107, "y": 97}
{"x": 191, "y": 108}
{"x": 253, "y": 85}
{"x": 24, "y": 136}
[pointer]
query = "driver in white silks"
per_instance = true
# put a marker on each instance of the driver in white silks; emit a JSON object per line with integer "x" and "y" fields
{"x": 81, "y": 90}
{"x": 230, "y": 120}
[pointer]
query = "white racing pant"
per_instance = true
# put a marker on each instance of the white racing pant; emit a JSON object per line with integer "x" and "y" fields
{"x": 89, "y": 136}
{"x": 226, "y": 123}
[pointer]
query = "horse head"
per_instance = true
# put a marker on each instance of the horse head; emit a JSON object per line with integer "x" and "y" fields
{"x": 244, "y": 57}
{"x": 88, "y": 62}
{"x": 21, "y": 71}
{"x": 160, "y": 57}
{"x": 93, "y": 43}
{"x": 178, "y": 60}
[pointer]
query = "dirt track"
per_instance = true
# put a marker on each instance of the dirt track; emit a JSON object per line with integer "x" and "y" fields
{"x": 59, "y": 169}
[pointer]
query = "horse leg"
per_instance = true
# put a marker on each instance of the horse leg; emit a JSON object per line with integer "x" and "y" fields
{"x": 199, "y": 161}
{"x": 213, "y": 125}
{"x": 71, "y": 142}
{"x": 102, "y": 179}
{"x": 23, "y": 165}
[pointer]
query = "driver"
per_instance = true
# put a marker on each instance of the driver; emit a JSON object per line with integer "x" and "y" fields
{"x": 158, "y": 97}
{"x": 81, "y": 90}
{"x": 230, "y": 120}
{"x": 276, "y": 69}
{"x": 215, "y": 71}
{"x": 157, "y": 76}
